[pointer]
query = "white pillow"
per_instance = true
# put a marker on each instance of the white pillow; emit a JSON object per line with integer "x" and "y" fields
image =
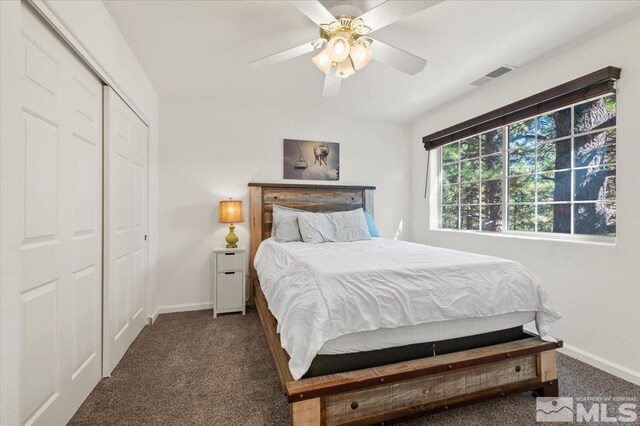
{"x": 285, "y": 224}
{"x": 333, "y": 227}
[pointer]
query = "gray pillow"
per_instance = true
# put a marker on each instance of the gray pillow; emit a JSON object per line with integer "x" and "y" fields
{"x": 333, "y": 227}
{"x": 285, "y": 224}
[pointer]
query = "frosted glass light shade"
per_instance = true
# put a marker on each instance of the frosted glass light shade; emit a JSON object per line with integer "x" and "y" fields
{"x": 345, "y": 69}
{"x": 322, "y": 61}
{"x": 230, "y": 211}
{"x": 338, "y": 49}
{"x": 360, "y": 56}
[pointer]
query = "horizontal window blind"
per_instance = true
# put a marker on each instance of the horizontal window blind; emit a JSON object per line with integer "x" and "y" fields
{"x": 592, "y": 85}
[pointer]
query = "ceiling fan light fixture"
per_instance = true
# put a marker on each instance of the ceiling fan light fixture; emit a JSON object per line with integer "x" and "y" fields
{"x": 344, "y": 46}
{"x": 358, "y": 27}
{"x": 322, "y": 61}
{"x": 360, "y": 56}
{"x": 338, "y": 49}
{"x": 345, "y": 69}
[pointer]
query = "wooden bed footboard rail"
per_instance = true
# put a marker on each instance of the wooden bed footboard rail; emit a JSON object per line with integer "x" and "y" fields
{"x": 413, "y": 387}
{"x": 427, "y": 394}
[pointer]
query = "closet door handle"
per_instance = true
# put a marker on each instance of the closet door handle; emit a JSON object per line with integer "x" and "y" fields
{"x": 229, "y": 273}
{"x": 229, "y": 254}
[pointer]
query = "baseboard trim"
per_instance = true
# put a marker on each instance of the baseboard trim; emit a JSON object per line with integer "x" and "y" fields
{"x": 602, "y": 364}
{"x": 185, "y": 307}
{"x": 153, "y": 316}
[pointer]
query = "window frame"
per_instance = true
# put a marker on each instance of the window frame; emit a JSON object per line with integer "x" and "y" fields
{"x": 506, "y": 232}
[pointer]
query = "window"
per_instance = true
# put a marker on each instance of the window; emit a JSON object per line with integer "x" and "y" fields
{"x": 552, "y": 173}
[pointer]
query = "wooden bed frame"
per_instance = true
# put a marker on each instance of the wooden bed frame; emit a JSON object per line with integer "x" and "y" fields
{"x": 378, "y": 394}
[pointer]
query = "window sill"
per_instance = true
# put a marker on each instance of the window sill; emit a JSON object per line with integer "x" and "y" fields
{"x": 577, "y": 239}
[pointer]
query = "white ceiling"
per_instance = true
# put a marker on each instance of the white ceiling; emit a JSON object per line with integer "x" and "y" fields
{"x": 201, "y": 49}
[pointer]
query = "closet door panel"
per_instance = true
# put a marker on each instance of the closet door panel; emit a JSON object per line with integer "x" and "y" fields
{"x": 86, "y": 287}
{"x": 125, "y": 225}
{"x": 62, "y": 246}
{"x": 82, "y": 219}
{"x": 40, "y": 385}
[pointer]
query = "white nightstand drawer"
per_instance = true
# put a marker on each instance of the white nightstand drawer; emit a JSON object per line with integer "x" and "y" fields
{"x": 228, "y": 270}
{"x": 230, "y": 261}
{"x": 229, "y": 290}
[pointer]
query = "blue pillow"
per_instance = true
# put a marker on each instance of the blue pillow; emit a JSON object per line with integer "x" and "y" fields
{"x": 373, "y": 229}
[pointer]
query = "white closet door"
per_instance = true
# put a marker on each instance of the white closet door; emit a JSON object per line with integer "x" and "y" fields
{"x": 61, "y": 249}
{"x": 125, "y": 228}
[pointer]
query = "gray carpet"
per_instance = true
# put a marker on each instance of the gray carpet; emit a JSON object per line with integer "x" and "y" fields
{"x": 188, "y": 368}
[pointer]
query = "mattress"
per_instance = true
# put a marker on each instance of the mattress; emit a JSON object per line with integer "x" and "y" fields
{"x": 321, "y": 292}
{"x": 383, "y": 338}
{"x": 338, "y": 363}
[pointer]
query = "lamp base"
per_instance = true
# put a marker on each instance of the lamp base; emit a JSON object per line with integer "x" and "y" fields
{"x": 232, "y": 238}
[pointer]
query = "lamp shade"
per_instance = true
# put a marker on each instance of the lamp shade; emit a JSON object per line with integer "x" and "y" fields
{"x": 322, "y": 61}
{"x": 345, "y": 69}
{"x": 338, "y": 49}
{"x": 360, "y": 56}
{"x": 231, "y": 211}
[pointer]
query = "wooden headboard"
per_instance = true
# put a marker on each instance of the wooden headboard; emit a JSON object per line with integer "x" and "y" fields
{"x": 314, "y": 198}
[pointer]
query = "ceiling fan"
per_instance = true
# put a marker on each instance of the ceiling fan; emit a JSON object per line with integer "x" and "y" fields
{"x": 345, "y": 46}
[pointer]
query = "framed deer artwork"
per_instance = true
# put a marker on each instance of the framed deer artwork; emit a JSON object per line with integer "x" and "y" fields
{"x": 311, "y": 160}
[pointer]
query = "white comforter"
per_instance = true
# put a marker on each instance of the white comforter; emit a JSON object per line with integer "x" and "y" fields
{"x": 318, "y": 292}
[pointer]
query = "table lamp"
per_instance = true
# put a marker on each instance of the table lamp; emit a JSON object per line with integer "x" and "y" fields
{"x": 231, "y": 212}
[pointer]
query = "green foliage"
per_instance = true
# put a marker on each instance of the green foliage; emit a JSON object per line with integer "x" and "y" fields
{"x": 554, "y": 125}
{"x": 450, "y": 173}
{"x": 522, "y": 189}
{"x": 451, "y": 152}
{"x": 554, "y": 218}
{"x": 554, "y": 186}
{"x": 470, "y": 148}
{"x": 450, "y": 194}
{"x": 470, "y": 170}
{"x": 470, "y": 193}
{"x": 492, "y": 166}
{"x": 522, "y": 161}
{"x": 522, "y": 217}
{"x": 522, "y": 134}
{"x": 610, "y": 104}
{"x": 554, "y": 155}
{"x": 539, "y": 176}
{"x": 450, "y": 217}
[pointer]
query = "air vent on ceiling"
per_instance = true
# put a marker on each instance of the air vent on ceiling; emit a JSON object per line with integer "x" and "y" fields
{"x": 493, "y": 75}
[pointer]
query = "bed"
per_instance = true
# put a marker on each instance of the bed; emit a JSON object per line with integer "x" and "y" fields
{"x": 388, "y": 366}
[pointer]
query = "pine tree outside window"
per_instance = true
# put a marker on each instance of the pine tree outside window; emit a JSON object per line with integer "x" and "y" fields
{"x": 553, "y": 173}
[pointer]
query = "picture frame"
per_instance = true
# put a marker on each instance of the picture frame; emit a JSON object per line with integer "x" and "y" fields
{"x": 311, "y": 160}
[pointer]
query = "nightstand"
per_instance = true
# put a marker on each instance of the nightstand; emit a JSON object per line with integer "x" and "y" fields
{"x": 229, "y": 270}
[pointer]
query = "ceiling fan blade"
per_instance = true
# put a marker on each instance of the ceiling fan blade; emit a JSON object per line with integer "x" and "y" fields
{"x": 314, "y": 10}
{"x": 397, "y": 58}
{"x": 391, "y": 11}
{"x": 331, "y": 83}
{"x": 285, "y": 54}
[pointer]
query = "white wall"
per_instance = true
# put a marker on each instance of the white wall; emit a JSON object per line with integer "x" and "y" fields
{"x": 91, "y": 23}
{"x": 210, "y": 151}
{"x": 596, "y": 287}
